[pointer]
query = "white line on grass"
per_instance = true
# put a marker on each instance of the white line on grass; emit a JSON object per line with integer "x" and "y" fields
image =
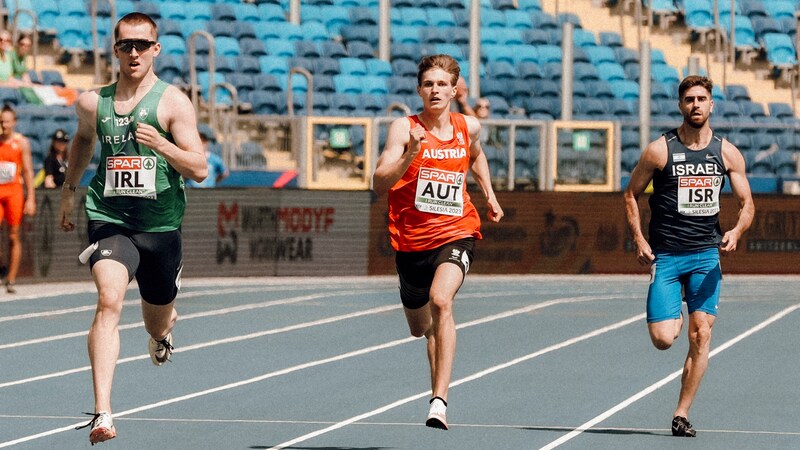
{"x": 652, "y": 388}
{"x": 351, "y": 354}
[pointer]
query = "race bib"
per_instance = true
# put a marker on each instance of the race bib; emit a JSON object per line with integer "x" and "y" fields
{"x": 440, "y": 192}
{"x": 130, "y": 176}
{"x": 8, "y": 172}
{"x": 699, "y": 195}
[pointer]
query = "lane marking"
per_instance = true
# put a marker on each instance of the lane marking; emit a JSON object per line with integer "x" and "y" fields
{"x": 331, "y": 359}
{"x": 184, "y": 317}
{"x": 655, "y": 386}
{"x": 475, "y": 376}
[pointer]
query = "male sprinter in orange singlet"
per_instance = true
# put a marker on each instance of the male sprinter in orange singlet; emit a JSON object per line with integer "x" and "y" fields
{"x": 16, "y": 167}
{"x": 432, "y": 223}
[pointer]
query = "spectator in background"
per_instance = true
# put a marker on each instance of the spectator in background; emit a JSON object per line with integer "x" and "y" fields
{"x": 8, "y": 56}
{"x": 490, "y": 134}
{"x": 19, "y": 63}
{"x": 17, "y": 195}
{"x": 217, "y": 171}
{"x": 461, "y": 103}
{"x": 55, "y": 164}
{"x": 482, "y": 108}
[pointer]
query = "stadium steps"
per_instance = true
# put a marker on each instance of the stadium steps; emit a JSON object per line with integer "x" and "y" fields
{"x": 676, "y": 47}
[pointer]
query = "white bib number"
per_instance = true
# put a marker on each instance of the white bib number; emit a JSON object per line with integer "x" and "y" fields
{"x": 440, "y": 192}
{"x": 8, "y": 172}
{"x": 130, "y": 176}
{"x": 699, "y": 195}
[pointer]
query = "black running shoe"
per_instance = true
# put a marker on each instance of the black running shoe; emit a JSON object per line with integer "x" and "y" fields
{"x": 682, "y": 427}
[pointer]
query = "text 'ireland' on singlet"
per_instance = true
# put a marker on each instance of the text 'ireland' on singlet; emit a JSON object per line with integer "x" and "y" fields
{"x": 134, "y": 186}
{"x": 429, "y": 206}
{"x": 686, "y": 194}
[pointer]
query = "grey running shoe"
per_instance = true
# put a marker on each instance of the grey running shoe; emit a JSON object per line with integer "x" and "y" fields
{"x": 161, "y": 350}
{"x": 11, "y": 288}
{"x": 102, "y": 427}
{"x": 437, "y": 415}
{"x": 682, "y": 427}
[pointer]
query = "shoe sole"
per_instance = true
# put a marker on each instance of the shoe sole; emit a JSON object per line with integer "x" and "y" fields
{"x": 101, "y": 435}
{"x": 433, "y": 422}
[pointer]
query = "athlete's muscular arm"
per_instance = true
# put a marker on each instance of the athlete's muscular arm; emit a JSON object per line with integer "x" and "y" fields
{"x": 735, "y": 164}
{"x": 402, "y": 146}
{"x": 480, "y": 169}
{"x": 80, "y": 154}
{"x": 654, "y": 157}
{"x": 176, "y": 115}
{"x": 29, "y": 208}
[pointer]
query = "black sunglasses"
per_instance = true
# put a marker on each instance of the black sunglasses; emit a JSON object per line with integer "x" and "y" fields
{"x": 126, "y": 45}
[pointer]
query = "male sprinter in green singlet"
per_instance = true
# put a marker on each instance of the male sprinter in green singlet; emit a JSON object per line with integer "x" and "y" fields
{"x": 135, "y": 202}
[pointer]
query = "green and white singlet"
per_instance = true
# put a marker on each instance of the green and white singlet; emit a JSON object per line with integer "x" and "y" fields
{"x": 134, "y": 186}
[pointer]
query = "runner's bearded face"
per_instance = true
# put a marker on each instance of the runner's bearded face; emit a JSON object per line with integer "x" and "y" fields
{"x": 696, "y": 105}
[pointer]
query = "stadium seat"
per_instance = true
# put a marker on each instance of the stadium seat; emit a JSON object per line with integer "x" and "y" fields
{"x": 223, "y": 12}
{"x": 270, "y": 12}
{"x": 314, "y": 31}
{"x": 252, "y": 47}
{"x": 546, "y": 88}
{"x": 348, "y": 84}
{"x": 266, "y": 83}
{"x": 247, "y": 12}
{"x": 360, "y": 50}
{"x": 518, "y": 19}
{"x": 247, "y": 64}
{"x": 625, "y": 89}
{"x": 527, "y": 70}
{"x": 599, "y": 89}
{"x": 535, "y": 37}
{"x": 699, "y": 15}
{"x": 274, "y": 65}
{"x": 780, "y": 50}
{"x": 402, "y": 85}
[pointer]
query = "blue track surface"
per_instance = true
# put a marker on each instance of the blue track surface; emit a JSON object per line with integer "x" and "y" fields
{"x": 310, "y": 363}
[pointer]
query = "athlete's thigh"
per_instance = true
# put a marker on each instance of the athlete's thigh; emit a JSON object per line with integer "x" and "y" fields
{"x": 13, "y": 207}
{"x": 703, "y": 286}
{"x": 115, "y": 244}
{"x": 452, "y": 265}
{"x": 664, "y": 293}
{"x": 159, "y": 273}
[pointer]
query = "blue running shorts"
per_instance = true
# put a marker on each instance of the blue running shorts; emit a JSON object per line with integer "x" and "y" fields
{"x": 696, "y": 273}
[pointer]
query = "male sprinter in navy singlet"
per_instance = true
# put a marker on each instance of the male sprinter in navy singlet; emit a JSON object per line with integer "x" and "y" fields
{"x": 687, "y": 166}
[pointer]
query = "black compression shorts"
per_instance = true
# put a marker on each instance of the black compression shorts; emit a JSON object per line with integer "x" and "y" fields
{"x": 416, "y": 269}
{"x": 154, "y": 259}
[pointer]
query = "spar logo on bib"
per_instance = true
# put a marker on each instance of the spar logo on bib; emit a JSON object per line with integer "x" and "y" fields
{"x": 133, "y": 176}
{"x": 440, "y": 192}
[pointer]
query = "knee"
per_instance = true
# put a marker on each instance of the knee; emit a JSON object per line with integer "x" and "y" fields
{"x": 418, "y": 331}
{"x": 700, "y": 337}
{"x": 662, "y": 343}
{"x": 441, "y": 305}
{"x": 109, "y": 303}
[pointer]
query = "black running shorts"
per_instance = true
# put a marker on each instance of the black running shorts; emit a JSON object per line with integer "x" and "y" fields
{"x": 416, "y": 269}
{"x": 154, "y": 259}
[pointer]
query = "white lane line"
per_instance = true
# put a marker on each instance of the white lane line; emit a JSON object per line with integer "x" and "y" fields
{"x": 184, "y": 317}
{"x": 475, "y": 376}
{"x": 655, "y": 386}
{"x": 323, "y": 361}
{"x": 229, "y": 340}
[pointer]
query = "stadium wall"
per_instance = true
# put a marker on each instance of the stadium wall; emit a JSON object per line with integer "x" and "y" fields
{"x": 269, "y": 232}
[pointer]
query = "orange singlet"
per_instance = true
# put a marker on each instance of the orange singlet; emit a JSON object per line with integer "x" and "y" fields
{"x": 12, "y": 197}
{"x": 429, "y": 206}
